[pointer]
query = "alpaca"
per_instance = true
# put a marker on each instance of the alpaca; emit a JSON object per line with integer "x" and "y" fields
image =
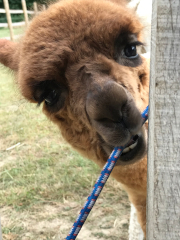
{"x": 80, "y": 60}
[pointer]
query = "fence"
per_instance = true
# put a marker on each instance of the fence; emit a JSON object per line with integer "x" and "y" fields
{"x": 23, "y": 11}
{"x": 163, "y": 209}
{"x": 163, "y": 200}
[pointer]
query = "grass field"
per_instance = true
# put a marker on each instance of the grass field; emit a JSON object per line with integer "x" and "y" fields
{"x": 4, "y": 32}
{"x": 44, "y": 183}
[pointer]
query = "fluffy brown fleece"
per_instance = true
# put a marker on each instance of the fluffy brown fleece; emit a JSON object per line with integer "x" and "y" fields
{"x": 79, "y": 60}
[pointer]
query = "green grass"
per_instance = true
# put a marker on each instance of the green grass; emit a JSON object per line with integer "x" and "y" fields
{"x": 4, "y": 32}
{"x": 42, "y": 157}
{"x": 43, "y": 182}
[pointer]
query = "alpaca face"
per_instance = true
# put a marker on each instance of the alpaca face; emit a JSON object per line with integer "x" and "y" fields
{"x": 80, "y": 60}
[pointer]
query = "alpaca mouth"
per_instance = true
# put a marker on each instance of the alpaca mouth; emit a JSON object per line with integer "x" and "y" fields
{"x": 135, "y": 149}
{"x": 131, "y": 145}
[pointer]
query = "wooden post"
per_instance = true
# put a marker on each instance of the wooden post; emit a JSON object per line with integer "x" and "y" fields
{"x": 43, "y": 7}
{"x": 8, "y": 15}
{"x": 25, "y": 12}
{"x": 135, "y": 231}
{"x": 163, "y": 207}
{"x": 35, "y": 8}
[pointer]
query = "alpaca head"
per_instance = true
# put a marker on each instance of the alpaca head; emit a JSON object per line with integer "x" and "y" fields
{"x": 79, "y": 59}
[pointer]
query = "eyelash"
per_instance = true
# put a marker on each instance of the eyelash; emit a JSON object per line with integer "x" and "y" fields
{"x": 130, "y": 50}
{"x": 137, "y": 43}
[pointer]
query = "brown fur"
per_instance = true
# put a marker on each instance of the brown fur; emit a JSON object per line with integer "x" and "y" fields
{"x": 75, "y": 49}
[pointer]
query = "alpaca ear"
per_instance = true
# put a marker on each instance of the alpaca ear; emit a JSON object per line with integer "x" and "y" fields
{"x": 9, "y": 56}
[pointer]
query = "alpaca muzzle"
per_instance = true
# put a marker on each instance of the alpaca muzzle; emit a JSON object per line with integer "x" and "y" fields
{"x": 114, "y": 115}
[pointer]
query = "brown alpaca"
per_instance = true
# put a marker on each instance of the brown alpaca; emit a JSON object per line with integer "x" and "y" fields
{"x": 79, "y": 60}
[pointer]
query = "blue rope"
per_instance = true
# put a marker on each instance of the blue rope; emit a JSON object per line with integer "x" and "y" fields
{"x": 99, "y": 186}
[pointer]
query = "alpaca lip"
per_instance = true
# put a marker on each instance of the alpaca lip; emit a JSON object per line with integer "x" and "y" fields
{"x": 131, "y": 145}
{"x": 135, "y": 151}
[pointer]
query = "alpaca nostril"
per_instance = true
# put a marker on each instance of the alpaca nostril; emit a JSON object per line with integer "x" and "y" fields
{"x": 132, "y": 117}
{"x": 105, "y": 102}
{"x": 113, "y": 113}
{"x": 141, "y": 77}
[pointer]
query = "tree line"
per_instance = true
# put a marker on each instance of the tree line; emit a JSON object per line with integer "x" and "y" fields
{"x": 16, "y": 4}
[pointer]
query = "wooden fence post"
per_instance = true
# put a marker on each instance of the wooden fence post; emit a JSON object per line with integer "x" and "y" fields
{"x": 25, "y": 12}
{"x": 135, "y": 231}
{"x": 8, "y": 15}
{"x": 35, "y": 8}
{"x": 163, "y": 207}
{"x": 43, "y": 7}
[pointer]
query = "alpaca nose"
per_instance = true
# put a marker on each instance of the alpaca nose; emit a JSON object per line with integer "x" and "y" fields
{"x": 112, "y": 112}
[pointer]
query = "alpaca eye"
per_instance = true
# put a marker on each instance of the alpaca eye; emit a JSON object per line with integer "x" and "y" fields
{"x": 51, "y": 93}
{"x": 130, "y": 51}
{"x": 51, "y": 98}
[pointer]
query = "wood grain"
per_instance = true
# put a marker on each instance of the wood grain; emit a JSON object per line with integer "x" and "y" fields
{"x": 163, "y": 211}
